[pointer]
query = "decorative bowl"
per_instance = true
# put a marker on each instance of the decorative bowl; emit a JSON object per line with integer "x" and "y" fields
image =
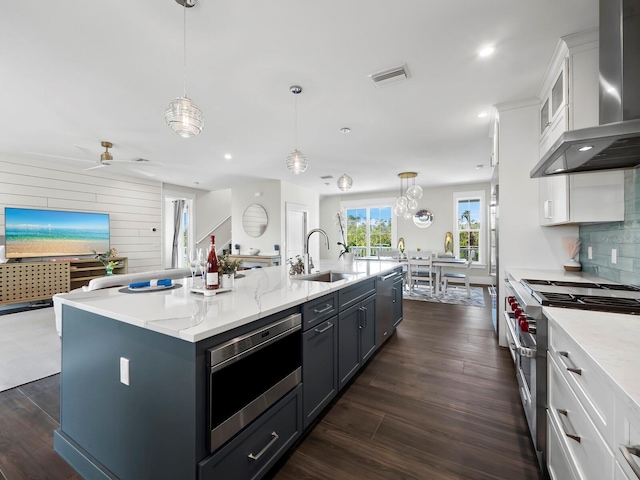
{"x": 254, "y": 251}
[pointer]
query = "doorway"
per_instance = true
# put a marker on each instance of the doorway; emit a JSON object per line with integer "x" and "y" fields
{"x": 295, "y": 229}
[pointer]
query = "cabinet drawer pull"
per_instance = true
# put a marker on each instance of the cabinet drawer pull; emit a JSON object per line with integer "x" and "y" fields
{"x": 327, "y": 307}
{"x": 329, "y": 325}
{"x": 627, "y": 451}
{"x": 575, "y": 370}
{"x": 565, "y": 414}
{"x": 274, "y": 439}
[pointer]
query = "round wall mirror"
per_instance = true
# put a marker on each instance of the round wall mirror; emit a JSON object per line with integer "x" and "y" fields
{"x": 423, "y": 218}
{"x": 254, "y": 220}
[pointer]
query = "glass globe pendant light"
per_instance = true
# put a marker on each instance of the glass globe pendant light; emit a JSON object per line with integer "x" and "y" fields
{"x": 407, "y": 203}
{"x": 296, "y": 161}
{"x": 345, "y": 182}
{"x": 182, "y": 114}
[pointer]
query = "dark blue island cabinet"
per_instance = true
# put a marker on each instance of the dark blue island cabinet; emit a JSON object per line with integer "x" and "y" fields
{"x": 356, "y": 328}
{"x": 319, "y": 355}
{"x": 157, "y": 426}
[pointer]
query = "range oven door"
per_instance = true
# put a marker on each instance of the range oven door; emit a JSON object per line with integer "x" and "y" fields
{"x": 249, "y": 374}
{"x": 525, "y": 362}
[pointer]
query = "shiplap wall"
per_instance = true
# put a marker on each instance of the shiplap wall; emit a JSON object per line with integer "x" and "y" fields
{"x": 134, "y": 205}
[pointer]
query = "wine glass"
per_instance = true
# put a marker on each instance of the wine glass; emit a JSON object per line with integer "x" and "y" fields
{"x": 193, "y": 263}
{"x": 202, "y": 263}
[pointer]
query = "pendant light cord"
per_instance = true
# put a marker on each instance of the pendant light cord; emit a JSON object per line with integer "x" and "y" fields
{"x": 295, "y": 126}
{"x": 184, "y": 43}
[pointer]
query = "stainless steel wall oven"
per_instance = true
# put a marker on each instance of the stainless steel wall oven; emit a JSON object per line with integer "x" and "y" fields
{"x": 250, "y": 373}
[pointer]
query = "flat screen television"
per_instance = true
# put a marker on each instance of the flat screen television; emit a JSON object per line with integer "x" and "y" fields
{"x": 53, "y": 233}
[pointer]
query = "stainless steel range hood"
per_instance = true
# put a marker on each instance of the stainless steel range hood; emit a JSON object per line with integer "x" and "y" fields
{"x": 615, "y": 143}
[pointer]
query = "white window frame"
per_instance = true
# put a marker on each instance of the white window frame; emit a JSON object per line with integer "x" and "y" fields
{"x": 373, "y": 203}
{"x": 471, "y": 195}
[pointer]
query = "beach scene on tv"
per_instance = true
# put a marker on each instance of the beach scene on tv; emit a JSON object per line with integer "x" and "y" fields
{"x": 52, "y": 233}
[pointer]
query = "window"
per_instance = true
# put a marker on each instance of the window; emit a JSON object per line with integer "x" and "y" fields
{"x": 369, "y": 227}
{"x": 469, "y": 224}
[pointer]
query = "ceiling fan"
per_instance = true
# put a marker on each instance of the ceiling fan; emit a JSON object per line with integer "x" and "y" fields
{"x": 106, "y": 159}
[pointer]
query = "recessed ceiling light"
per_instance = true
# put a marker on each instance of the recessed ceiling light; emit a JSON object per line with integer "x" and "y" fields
{"x": 345, "y": 130}
{"x": 478, "y": 167}
{"x": 585, "y": 148}
{"x": 227, "y": 156}
{"x": 482, "y": 114}
{"x": 486, "y": 51}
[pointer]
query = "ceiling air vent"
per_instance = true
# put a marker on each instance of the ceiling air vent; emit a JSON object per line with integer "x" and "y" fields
{"x": 390, "y": 76}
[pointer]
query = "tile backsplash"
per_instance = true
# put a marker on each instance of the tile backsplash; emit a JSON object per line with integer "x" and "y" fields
{"x": 624, "y": 237}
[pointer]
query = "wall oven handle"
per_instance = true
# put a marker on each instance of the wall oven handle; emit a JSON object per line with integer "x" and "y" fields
{"x": 274, "y": 439}
{"x": 327, "y": 307}
{"x": 329, "y": 325}
{"x": 627, "y": 451}
{"x": 577, "y": 371}
{"x": 564, "y": 414}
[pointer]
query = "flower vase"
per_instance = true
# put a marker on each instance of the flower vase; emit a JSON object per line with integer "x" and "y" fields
{"x": 572, "y": 265}
{"x": 227, "y": 280}
{"x": 109, "y": 271}
{"x": 348, "y": 257}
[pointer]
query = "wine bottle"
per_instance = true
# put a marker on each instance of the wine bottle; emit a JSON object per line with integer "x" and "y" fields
{"x": 212, "y": 279}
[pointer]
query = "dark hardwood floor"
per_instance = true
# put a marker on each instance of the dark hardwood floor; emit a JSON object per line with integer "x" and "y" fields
{"x": 439, "y": 401}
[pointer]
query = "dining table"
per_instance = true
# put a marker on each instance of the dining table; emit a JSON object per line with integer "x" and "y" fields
{"x": 437, "y": 262}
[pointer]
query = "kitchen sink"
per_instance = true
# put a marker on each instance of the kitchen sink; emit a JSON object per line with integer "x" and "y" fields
{"x": 325, "y": 276}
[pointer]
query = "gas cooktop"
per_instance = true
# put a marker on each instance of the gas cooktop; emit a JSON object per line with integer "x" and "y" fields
{"x": 603, "y": 297}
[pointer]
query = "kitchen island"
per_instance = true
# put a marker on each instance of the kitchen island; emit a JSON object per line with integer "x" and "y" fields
{"x": 135, "y": 375}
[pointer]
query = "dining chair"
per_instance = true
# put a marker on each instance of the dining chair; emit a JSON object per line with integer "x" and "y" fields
{"x": 420, "y": 268}
{"x": 458, "y": 276}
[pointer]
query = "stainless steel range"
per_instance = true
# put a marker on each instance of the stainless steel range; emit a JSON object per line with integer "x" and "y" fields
{"x": 528, "y": 337}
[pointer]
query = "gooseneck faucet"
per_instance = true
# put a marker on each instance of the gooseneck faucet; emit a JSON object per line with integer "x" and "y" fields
{"x": 307, "y": 259}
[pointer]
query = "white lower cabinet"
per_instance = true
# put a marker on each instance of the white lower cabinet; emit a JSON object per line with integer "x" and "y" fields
{"x": 585, "y": 449}
{"x": 620, "y": 474}
{"x": 558, "y": 462}
{"x": 627, "y": 437}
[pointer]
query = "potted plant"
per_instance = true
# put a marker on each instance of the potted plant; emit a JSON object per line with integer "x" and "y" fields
{"x": 296, "y": 265}
{"x": 346, "y": 253}
{"x": 103, "y": 258}
{"x": 227, "y": 268}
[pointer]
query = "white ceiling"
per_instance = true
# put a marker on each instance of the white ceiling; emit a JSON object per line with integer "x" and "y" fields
{"x": 79, "y": 72}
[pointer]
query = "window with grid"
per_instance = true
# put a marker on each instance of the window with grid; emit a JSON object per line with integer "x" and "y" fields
{"x": 469, "y": 222}
{"x": 369, "y": 229}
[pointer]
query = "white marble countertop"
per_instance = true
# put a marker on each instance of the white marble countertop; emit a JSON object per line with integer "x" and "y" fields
{"x": 612, "y": 340}
{"x": 192, "y": 317}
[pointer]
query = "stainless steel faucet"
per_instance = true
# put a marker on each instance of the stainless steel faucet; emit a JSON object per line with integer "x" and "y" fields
{"x": 307, "y": 260}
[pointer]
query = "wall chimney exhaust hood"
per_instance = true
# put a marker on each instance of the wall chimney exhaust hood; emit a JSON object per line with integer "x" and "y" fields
{"x": 615, "y": 143}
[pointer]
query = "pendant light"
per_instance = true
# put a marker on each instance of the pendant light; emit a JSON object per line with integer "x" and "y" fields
{"x": 182, "y": 114}
{"x": 296, "y": 161}
{"x": 345, "y": 182}
{"x": 407, "y": 202}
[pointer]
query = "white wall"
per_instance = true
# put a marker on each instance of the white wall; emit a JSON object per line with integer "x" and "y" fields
{"x": 134, "y": 205}
{"x": 293, "y": 194}
{"x": 523, "y": 242}
{"x": 270, "y": 199}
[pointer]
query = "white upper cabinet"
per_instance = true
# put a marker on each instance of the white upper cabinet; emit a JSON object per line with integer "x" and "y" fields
{"x": 569, "y": 100}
